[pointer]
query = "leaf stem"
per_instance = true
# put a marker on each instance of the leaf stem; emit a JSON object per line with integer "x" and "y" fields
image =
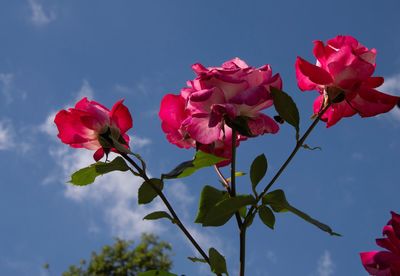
{"x": 177, "y": 221}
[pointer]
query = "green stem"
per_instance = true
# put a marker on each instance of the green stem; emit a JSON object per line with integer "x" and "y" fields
{"x": 177, "y": 221}
{"x": 242, "y": 228}
{"x": 242, "y": 250}
{"x": 299, "y": 144}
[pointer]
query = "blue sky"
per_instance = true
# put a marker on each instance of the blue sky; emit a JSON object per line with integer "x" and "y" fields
{"x": 54, "y": 52}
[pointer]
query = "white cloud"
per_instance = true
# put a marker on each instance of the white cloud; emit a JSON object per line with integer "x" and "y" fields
{"x": 39, "y": 16}
{"x": 6, "y": 135}
{"x": 392, "y": 86}
{"x": 86, "y": 90}
{"x": 325, "y": 265}
{"x": 139, "y": 142}
{"x": 114, "y": 194}
{"x": 6, "y": 81}
{"x": 48, "y": 125}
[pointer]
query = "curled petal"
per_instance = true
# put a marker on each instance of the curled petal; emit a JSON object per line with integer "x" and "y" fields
{"x": 310, "y": 76}
{"x": 121, "y": 116}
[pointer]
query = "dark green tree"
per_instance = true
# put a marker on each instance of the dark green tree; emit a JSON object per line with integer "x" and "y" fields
{"x": 123, "y": 259}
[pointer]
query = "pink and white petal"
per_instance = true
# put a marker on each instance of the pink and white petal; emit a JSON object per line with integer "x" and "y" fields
{"x": 229, "y": 86}
{"x": 262, "y": 124}
{"x": 310, "y": 76}
{"x": 198, "y": 128}
{"x": 370, "y": 102}
{"x": 236, "y": 62}
{"x": 201, "y": 101}
{"x": 121, "y": 116}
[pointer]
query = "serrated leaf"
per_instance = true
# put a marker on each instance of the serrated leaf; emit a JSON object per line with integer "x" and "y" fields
{"x": 87, "y": 175}
{"x": 266, "y": 216}
{"x": 277, "y": 200}
{"x": 217, "y": 262}
{"x": 209, "y": 197}
{"x": 146, "y": 192}
{"x": 156, "y": 273}
{"x": 197, "y": 260}
{"x": 258, "y": 169}
{"x": 158, "y": 215}
{"x": 224, "y": 209}
{"x": 201, "y": 160}
{"x": 286, "y": 108}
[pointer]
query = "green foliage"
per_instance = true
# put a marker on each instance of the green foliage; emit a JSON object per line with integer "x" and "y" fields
{"x": 209, "y": 197}
{"x": 266, "y": 216}
{"x": 158, "y": 215}
{"x": 277, "y": 200}
{"x": 147, "y": 193}
{"x": 87, "y": 175}
{"x": 121, "y": 259}
{"x": 216, "y": 207}
{"x": 217, "y": 262}
{"x": 156, "y": 273}
{"x": 286, "y": 108}
{"x": 258, "y": 170}
{"x": 201, "y": 160}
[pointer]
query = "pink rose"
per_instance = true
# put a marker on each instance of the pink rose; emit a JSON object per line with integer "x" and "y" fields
{"x": 81, "y": 127}
{"x": 220, "y": 96}
{"x": 343, "y": 75}
{"x": 385, "y": 263}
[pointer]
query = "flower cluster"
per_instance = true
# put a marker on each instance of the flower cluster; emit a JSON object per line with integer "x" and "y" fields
{"x": 84, "y": 125}
{"x": 385, "y": 263}
{"x": 203, "y": 113}
{"x": 343, "y": 77}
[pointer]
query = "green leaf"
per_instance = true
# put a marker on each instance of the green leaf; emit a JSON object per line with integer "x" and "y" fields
{"x": 277, "y": 200}
{"x": 266, "y": 216}
{"x": 158, "y": 215}
{"x": 147, "y": 193}
{"x": 286, "y": 108}
{"x": 156, "y": 273}
{"x": 237, "y": 174}
{"x": 209, "y": 197}
{"x": 258, "y": 170}
{"x": 197, "y": 260}
{"x": 217, "y": 262}
{"x": 201, "y": 160}
{"x": 87, "y": 175}
{"x": 224, "y": 209}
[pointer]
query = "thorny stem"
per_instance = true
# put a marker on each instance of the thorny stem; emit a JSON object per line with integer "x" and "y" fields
{"x": 299, "y": 144}
{"x": 177, "y": 221}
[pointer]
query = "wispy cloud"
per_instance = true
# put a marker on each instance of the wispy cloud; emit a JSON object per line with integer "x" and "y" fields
{"x": 325, "y": 264}
{"x": 86, "y": 90}
{"x": 6, "y": 135}
{"x": 39, "y": 16}
{"x": 392, "y": 86}
{"x": 6, "y": 81}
